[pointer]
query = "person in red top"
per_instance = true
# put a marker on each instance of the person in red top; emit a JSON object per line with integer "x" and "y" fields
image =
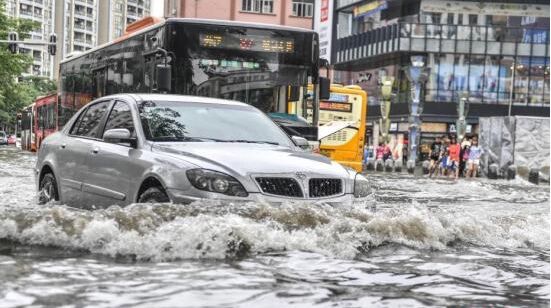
{"x": 379, "y": 152}
{"x": 454, "y": 149}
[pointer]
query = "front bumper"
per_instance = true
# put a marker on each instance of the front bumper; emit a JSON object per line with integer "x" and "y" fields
{"x": 180, "y": 196}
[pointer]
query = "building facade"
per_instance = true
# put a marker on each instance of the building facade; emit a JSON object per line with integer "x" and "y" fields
{"x": 76, "y": 26}
{"x": 115, "y": 15}
{"x": 297, "y": 13}
{"x": 40, "y": 11}
{"x": 495, "y": 52}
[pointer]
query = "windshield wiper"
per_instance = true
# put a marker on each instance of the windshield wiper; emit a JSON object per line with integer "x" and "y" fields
{"x": 202, "y": 139}
{"x": 250, "y": 141}
{"x": 173, "y": 138}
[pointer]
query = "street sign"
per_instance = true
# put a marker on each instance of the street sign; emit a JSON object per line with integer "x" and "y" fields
{"x": 452, "y": 128}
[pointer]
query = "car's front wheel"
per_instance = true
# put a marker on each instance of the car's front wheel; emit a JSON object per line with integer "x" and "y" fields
{"x": 47, "y": 190}
{"x": 154, "y": 195}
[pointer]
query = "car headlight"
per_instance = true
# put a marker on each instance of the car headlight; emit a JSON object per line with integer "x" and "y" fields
{"x": 217, "y": 182}
{"x": 361, "y": 186}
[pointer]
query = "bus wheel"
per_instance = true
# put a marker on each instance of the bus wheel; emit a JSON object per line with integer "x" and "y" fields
{"x": 153, "y": 195}
{"x": 47, "y": 190}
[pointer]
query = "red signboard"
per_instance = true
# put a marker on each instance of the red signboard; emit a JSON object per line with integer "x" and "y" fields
{"x": 324, "y": 10}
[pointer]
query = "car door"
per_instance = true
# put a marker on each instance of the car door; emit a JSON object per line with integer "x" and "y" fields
{"x": 70, "y": 188}
{"x": 80, "y": 144}
{"x": 114, "y": 166}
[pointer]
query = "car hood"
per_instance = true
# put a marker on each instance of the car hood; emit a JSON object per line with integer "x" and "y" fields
{"x": 246, "y": 158}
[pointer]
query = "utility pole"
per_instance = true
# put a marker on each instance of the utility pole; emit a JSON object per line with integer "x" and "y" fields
{"x": 512, "y": 87}
{"x": 417, "y": 74}
{"x": 386, "y": 95}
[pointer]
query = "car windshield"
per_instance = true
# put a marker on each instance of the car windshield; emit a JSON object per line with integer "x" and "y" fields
{"x": 201, "y": 122}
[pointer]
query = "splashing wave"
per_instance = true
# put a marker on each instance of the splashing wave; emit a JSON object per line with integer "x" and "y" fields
{"x": 215, "y": 230}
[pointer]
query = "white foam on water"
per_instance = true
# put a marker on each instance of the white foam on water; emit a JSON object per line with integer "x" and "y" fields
{"x": 214, "y": 230}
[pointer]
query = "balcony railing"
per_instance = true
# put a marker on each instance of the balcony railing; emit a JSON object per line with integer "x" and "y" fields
{"x": 437, "y": 38}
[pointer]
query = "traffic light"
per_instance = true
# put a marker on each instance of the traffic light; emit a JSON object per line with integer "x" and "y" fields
{"x": 13, "y": 37}
{"x": 52, "y": 48}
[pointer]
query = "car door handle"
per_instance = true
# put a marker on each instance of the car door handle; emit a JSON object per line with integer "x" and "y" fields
{"x": 95, "y": 150}
{"x": 63, "y": 146}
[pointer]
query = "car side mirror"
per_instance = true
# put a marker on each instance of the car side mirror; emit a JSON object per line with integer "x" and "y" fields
{"x": 119, "y": 135}
{"x": 325, "y": 85}
{"x": 164, "y": 77}
{"x": 300, "y": 142}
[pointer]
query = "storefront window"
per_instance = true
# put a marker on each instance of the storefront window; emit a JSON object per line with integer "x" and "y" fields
{"x": 476, "y": 78}
{"x": 463, "y": 32}
{"x": 520, "y": 96}
{"x": 446, "y": 78}
{"x": 537, "y": 70}
{"x": 546, "y": 82}
{"x": 505, "y": 75}
{"x": 461, "y": 79}
{"x": 432, "y": 84}
{"x": 491, "y": 73}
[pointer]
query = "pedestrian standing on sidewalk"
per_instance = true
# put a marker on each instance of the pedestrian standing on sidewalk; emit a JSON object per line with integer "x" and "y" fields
{"x": 405, "y": 152}
{"x": 464, "y": 156}
{"x": 379, "y": 151}
{"x": 434, "y": 155}
{"x": 443, "y": 166}
{"x": 455, "y": 150}
{"x": 387, "y": 153}
{"x": 474, "y": 158}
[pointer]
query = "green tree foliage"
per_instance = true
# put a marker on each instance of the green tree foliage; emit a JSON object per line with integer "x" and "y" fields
{"x": 15, "y": 94}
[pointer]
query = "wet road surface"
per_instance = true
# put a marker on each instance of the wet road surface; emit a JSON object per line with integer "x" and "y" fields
{"x": 418, "y": 242}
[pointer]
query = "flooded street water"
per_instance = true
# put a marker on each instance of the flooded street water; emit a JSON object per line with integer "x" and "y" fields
{"x": 418, "y": 242}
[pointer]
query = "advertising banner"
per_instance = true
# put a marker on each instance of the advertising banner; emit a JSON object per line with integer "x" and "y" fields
{"x": 369, "y": 8}
{"x": 323, "y": 25}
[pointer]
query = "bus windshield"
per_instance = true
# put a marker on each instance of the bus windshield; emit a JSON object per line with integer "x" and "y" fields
{"x": 254, "y": 66}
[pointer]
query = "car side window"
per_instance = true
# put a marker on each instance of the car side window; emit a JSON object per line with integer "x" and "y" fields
{"x": 120, "y": 117}
{"x": 89, "y": 124}
{"x": 74, "y": 129}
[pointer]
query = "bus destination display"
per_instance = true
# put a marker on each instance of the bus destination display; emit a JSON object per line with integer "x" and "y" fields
{"x": 334, "y": 106}
{"x": 247, "y": 42}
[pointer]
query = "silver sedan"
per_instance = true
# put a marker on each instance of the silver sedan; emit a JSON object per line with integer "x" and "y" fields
{"x": 131, "y": 148}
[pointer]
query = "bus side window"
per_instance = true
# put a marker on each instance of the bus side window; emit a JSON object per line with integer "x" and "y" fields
{"x": 41, "y": 117}
{"x": 100, "y": 78}
{"x": 51, "y": 115}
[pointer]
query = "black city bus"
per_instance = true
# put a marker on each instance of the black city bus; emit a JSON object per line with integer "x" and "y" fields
{"x": 262, "y": 65}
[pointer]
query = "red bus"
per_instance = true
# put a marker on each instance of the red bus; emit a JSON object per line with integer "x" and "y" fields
{"x": 45, "y": 117}
{"x": 38, "y": 121}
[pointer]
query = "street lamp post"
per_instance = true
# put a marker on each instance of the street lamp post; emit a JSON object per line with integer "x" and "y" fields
{"x": 462, "y": 111}
{"x": 417, "y": 75}
{"x": 386, "y": 95}
{"x": 513, "y": 69}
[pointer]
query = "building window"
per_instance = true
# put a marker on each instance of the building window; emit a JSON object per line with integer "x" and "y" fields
{"x": 258, "y": 6}
{"x": 303, "y": 8}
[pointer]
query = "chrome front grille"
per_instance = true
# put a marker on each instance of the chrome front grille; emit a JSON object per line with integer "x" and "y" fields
{"x": 287, "y": 187}
{"x": 324, "y": 187}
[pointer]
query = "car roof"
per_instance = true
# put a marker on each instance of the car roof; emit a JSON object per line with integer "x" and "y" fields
{"x": 140, "y": 97}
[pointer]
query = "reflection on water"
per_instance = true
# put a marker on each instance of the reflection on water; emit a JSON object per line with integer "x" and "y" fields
{"x": 425, "y": 242}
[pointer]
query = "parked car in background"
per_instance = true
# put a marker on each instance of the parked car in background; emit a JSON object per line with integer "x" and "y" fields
{"x": 130, "y": 148}
{"x": 3, "y": 137}
{"x": 12, "y": 139}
